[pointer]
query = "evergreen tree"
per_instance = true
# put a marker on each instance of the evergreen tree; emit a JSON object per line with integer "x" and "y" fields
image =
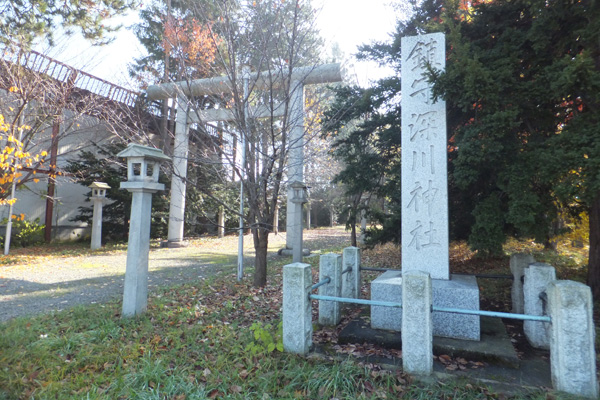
{"x": 104, "y": 166}
{"x": 522, "y": 82}
{"x": 24, "y": 21}
{"x": 522, "y": 89}
{"x": 365, "y": 125}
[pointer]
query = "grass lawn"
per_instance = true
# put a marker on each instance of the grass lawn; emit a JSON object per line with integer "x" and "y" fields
{"x": 215, "y": 338}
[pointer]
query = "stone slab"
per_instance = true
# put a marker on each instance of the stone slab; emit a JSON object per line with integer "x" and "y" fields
{"x": 461, "y": 291}
{"x": 495, "y": 346}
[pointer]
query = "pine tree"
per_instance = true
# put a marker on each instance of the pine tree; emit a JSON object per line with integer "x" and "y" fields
{"x": 523, "y": 80}
{"x": 25, "y": 21}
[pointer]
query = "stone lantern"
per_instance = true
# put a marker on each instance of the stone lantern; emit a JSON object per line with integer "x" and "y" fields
{"x": 143, "y": 164}
{"x": 98, "y": 197}
{"x": 299, "y": 197}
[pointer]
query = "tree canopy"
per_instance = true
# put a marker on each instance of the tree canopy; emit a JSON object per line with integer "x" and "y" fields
{"x": 522, "y": 89}
{"x": 522, "y": 85}
{"x": 24, "y": 21}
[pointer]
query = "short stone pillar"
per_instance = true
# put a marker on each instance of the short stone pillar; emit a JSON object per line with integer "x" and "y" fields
{"x": 142, "y": 180}
{"x": 572, "y": 353}
{"x": 417, "y": 323}
{"x": 537, "y": 278}
{"x": 297, "y": 315}
{"x": 518, "y": 263}
{"x": 98, "y": 198}
{"x": 330, "y": 266}
{"x": 351, "y": 280}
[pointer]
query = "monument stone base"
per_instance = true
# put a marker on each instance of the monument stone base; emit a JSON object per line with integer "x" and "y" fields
{"x": 459, "y": 292}
{"x": 290, "y": 252}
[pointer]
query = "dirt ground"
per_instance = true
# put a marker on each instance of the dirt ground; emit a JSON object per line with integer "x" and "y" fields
{"x": 60, "y": 282}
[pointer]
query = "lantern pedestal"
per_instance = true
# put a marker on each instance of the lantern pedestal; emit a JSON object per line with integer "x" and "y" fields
{"x": 142, "y": 175}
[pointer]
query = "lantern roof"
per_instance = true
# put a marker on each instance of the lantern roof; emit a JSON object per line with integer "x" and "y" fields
{"x": 99, "y": 185}
{"x": 149, "y": 153}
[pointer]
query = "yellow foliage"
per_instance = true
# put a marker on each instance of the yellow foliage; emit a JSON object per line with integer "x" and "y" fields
{"x": 13, "y": 158}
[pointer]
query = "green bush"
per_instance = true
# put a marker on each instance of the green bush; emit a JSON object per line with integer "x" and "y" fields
{"x": 266, "y": 339}
{"x": 25, "y": 233}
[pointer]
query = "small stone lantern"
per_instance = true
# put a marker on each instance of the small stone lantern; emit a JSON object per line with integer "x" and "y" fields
{"x": 300, "y": 192}
{"x": 299, "y": 197}
{"x": 143, "y": 164}
{"x": 98, "y": 197}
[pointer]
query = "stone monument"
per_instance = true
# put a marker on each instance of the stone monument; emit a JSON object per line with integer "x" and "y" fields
{"x": 425, "y": 200}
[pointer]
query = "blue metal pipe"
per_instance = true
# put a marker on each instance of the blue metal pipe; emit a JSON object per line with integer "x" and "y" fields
{"x": 497, "y": 314}
{"x": 356, "y": 301}
{"x": 318, "y": 284}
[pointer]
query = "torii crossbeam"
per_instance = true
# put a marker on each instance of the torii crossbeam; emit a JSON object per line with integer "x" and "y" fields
{"x": 328, "y": 73}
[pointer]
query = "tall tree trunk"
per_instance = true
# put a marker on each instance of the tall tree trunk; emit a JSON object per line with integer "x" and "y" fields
{"x": 593, "y": 278}
{"x": 261, "y": 241}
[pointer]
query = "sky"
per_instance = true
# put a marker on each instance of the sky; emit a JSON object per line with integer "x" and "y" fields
{"x": 349, "y": 23}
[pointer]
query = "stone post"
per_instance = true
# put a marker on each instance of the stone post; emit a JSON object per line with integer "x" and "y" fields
{"x": 572, "y": 353}
{"x": 295, "y": 161}
{"x": 98, "y": 197}
{"x": 221, "y": 227}
{"x": 351, "y": 280}
{"x": 142, "y": 181}
{"x": 363, "y": 225}
{"x": 537, "y": 278}
{"x": 297, "y": 315}
{"x": 276, "y": 218}
{"x": 178, "y": 180}
{"x": 417, "y": 323}
{"x": 330, "y": 266}
{"x": 518, "y": 263}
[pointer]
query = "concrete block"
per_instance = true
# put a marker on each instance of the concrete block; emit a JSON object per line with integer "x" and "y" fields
{"x": 297, "y": 315}
{"x": 518, "y": 263}
{"x": 351, "y": 280}
{"x": 572, "y": 352}
{"x": 537, "y": 278}
{"x": 459, "y": 292}
{"x": 462, "y": 292}
{"x": 387, "y": 287}
{"x": 330, "y": 266}
{"x": 417, "y": 323}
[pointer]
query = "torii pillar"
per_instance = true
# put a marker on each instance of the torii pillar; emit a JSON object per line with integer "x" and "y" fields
{"x": 328, "y": 73}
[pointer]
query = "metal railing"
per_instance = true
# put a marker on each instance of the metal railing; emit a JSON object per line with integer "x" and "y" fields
{"x": 482, "y": 276}
{"x": 495, "y": 314}
{"x": 61, "y": 72}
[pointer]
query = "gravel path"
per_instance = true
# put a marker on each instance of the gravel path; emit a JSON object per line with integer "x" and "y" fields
{"x": 61, "y": 283}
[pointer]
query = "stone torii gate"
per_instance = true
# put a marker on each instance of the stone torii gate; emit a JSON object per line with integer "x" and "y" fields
{"x": 328, "y": 73}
